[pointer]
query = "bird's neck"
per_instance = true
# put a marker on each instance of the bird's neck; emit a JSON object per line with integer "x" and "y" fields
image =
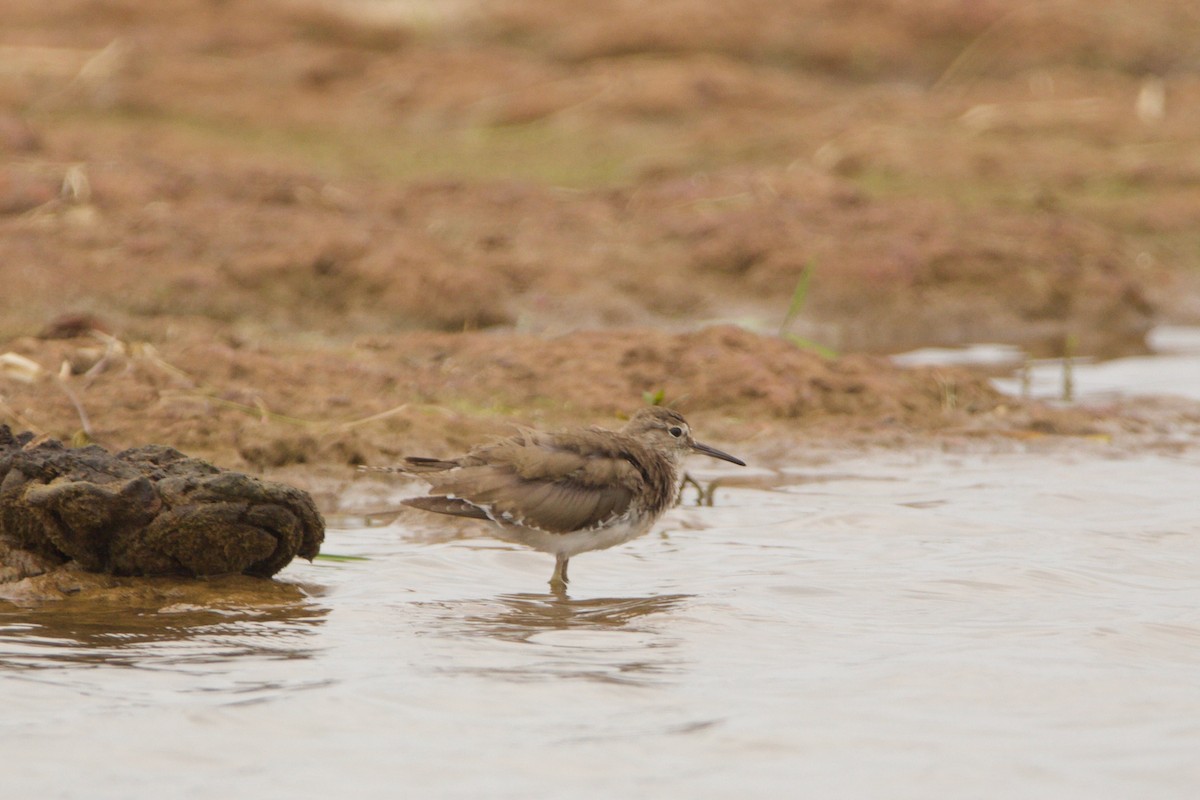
{"x": 662, "y": 475}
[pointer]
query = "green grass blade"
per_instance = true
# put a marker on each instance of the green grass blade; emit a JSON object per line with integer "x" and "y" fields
{"x": 799, "y": 297}
{"x": 808, "y": 344}
{"x": 339, "y": 558}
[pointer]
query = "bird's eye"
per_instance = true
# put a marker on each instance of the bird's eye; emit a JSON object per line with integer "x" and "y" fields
{"x": 675, "y": 431}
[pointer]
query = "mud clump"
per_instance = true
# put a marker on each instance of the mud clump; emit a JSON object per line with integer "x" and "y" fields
{"x": 143, "y": 512}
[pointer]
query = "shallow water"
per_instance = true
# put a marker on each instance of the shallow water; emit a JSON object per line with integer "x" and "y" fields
{"x": 1171, "y": 368}
{"x": 895, "y": 625}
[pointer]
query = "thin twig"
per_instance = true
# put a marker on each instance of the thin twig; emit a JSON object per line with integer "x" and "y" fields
{"x": 150, "y": 354}
{"x": 974, "y": 46}
{"x": 112, "y": 346}
{"x": 61, "y": 379}
{"x": 255, "y": 411}
{"x": 391, "y": 412}
{"x": 12, "y": 414}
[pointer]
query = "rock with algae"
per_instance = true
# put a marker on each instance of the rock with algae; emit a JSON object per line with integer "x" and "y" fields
{"x": 146, "y": 511}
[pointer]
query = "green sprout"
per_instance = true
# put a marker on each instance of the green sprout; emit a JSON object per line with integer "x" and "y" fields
{"x": 799, "y": 298}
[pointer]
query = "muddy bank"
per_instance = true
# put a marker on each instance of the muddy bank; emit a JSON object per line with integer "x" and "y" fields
{"x": 263, "y": 405}
{"x": 94, "y": 601}
{"x": 247, "y": 400}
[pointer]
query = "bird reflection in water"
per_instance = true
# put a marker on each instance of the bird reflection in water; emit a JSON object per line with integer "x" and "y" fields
{"x": 606, "y": 639}
{"x": 522, "y": 615}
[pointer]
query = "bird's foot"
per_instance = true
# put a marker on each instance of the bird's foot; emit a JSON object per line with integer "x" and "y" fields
{"x": 558, "y": 581}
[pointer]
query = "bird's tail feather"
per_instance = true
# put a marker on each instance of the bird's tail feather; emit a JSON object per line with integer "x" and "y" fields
{"x": 413, "y": 465}
{"x": 442, "y": 504}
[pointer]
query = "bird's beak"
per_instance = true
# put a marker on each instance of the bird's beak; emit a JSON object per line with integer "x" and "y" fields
{"x": 715, "y": 453}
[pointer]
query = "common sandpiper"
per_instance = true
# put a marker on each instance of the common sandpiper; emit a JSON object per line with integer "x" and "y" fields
{"x": 566, "y": 492}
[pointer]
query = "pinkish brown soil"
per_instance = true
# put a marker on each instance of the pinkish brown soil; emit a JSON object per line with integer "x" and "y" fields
{"x": 313, "y": 239}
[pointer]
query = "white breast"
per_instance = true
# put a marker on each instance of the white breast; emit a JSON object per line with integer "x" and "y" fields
{"x": 576, "y": 542}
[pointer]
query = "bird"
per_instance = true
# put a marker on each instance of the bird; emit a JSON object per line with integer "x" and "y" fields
{"x": 566, "y": 492}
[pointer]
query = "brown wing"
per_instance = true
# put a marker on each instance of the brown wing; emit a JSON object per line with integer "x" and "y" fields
{"x": 538, "y": 485}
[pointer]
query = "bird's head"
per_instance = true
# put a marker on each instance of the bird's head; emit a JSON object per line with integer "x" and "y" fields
{"x": 666, "y": 431}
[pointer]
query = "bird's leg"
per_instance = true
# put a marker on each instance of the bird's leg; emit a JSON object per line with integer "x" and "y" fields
{"x": 558, "y": 581}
